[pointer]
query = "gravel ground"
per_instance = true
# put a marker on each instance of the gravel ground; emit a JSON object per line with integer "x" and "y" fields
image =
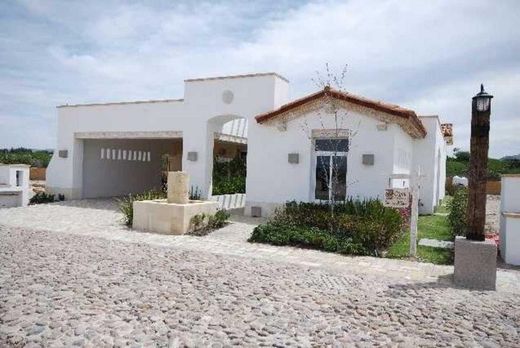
{"x": 58, "y": 289}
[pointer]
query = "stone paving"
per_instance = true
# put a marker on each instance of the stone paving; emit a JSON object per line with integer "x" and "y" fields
{"x": 70, "y": 274}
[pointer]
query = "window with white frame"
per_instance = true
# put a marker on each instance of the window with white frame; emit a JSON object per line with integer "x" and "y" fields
{"x": 330, "y": 168}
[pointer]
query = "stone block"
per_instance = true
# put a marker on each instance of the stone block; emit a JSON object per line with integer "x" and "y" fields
{"x": 178, "y": 187}
{"x": 475, "y": 264}
{"x": 169, "y": 218}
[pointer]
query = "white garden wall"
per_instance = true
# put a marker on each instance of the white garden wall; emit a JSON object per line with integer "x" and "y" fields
{"x": 510, "y": 219}
{"x": 14, "y": 185}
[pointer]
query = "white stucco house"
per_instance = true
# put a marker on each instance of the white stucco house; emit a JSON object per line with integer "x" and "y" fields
{"x": 112, "y": 149}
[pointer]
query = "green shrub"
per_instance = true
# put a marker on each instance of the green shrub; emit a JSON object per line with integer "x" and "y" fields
{"x": 218, "y": 220}
{"x": 352, "y": 227}
{"x": 229, "y": 177}
{"x": 198, "y": 222}
{"x": 126, "y": 204}
{"x": 41, "y": 197}
{"x": 202, "y": 224}
{"x": 306, "y": 237}
{"x": 457, "y": 217}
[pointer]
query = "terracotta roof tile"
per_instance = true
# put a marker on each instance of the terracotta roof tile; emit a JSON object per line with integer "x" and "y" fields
{"x": 447, "y": 132}
{"x": 391, "y": 109}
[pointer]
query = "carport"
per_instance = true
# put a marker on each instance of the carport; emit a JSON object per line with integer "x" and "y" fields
{"x": 119, "y": 163}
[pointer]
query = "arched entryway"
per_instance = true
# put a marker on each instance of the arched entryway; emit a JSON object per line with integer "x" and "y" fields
{"x": 226, "y": 158}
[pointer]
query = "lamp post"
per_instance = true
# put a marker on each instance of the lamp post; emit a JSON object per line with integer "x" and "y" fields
{"x": 480, "y": 112}
{"x": 476, "y": 257}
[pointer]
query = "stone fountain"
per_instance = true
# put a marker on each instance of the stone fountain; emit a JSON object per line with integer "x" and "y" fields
{"x": 172, "y": 215}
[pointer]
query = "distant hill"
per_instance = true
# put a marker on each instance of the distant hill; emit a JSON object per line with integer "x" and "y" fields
{"x": 509, "y": 158}
{"x": 459, "y": 165}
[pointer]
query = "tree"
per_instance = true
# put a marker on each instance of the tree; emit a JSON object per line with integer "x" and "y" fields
{"x": 332, "y": 142}
{"x": 462, "y": 156}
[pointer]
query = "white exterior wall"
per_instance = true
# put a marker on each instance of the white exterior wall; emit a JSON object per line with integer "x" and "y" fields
{"x": 430, "y": 155}
{"x": 272, "y": 180}
{"x": 13, "y": 192}
{"x": 510, "y": 219}
{"x": 198, "y": 116}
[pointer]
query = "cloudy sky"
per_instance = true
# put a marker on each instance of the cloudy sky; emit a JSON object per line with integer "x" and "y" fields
{"x": 430, "y": 56}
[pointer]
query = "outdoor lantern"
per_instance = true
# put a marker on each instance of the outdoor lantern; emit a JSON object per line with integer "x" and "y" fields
{"x": 483, "y": 100}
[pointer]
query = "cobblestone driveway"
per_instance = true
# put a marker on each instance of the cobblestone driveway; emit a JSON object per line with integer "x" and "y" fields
{"x": 98, "y": 284}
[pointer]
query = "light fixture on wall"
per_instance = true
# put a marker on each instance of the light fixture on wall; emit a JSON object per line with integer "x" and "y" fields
{"x": 368, "y": 159}
{"x": 192, "y": 156}
{"x": 293, "y": 158}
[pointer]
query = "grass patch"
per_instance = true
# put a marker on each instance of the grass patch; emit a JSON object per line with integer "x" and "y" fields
{"x": 429, "y": 226}
{"x": 443, "y": 208}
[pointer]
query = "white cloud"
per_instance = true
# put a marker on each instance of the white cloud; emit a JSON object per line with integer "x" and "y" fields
{"x": 430, "y": 56}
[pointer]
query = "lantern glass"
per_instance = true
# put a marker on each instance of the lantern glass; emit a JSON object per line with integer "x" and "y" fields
{"x": 483, "y": 103}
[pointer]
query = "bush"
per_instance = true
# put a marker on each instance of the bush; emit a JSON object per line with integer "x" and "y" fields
{"x": 202, "y": 224}
{"x": 229, "y": 177}
{"x": 218, "y": 220}
{"x": 126, "y": 204}
{"x": 457, "y": 217}
{"x": 352, "y": 227}
{"x": 41, "y": 197}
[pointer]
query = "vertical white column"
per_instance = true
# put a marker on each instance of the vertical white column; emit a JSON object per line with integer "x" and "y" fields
{"x": 195, "y": 139}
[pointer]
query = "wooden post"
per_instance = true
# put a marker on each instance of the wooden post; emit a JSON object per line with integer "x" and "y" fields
{"x": 478, "y": 172}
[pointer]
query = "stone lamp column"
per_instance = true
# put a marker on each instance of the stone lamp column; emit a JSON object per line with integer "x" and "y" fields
{"x": 476, "y": 257}
{"x": 178, "y": 187}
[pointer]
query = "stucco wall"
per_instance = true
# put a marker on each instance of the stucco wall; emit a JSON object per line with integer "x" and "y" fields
{"x": 202, "y": 112}
{"x": 430, "y": 156}
{"x": 14, "y": 185}
{"x": 271, "y": 180}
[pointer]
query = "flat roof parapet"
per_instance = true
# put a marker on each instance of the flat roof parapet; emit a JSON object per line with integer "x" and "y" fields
{"x": 236, "y": 77}
{"x": 121, "y": 103}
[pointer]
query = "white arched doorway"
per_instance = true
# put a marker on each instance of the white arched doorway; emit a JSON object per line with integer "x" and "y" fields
{"x": 226, "y": 141}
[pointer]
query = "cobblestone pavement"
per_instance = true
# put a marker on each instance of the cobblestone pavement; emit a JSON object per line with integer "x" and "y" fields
{"x": 100, "y": 218}
{"x": 59, "y": 289}
{"x": 70, "y": 273}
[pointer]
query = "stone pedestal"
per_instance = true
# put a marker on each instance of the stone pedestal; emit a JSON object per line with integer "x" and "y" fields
{"x": 178, "y": 187}
{"x": 475, "y": 264}
{"x": 169, "y": 218}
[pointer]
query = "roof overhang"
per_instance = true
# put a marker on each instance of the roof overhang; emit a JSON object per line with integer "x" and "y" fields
{"x": 405, "y": 117}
